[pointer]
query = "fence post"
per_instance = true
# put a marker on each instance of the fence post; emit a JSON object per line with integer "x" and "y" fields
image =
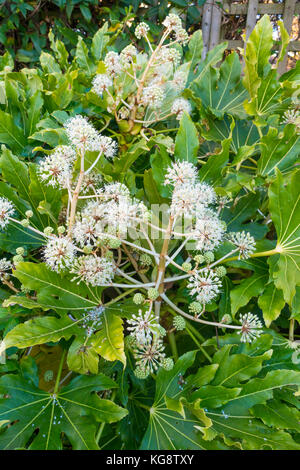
{"x": 288, "y": 13}
{"x": 251, "y": 17}
{"x": 206, "y": 26}
{"x": 215, "y": 28}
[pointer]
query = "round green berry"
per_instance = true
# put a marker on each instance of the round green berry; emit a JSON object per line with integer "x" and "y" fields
{"x": 186, "y": 267}
{"x": 25, "y": 223}
{"x": 61, "y": 229}
{"x": 17, "y": 259}
{"x": 114, "y": 243}
{"x": 141, "y": 373}
{"x": 152, "y": 293}
{"x": 195, "y": 307}
{"x": 226, "y": 319}
{"x": 209, "y": 257}
{"x": 167, "y": 363}
{"x": 145, "y": 260}
{"x": 48, "y": 231}
{"x": 29, "y": 214}
{"x": 20, "y": 251}
{"x": 199, "y": 259}
{"x": 138, "y": 298}
{"x": 179, "y": 323}
{"x": 221, "y": 271}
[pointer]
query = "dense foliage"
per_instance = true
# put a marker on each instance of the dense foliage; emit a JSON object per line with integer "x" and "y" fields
{"x": 149, "y": 218}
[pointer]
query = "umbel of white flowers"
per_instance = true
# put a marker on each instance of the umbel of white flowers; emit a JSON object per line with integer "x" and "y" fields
{"x": 154, "y": 77}
{"x": 100, "y": 226}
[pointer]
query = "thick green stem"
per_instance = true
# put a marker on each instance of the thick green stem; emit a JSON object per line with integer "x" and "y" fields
{"x": 172, "y": 342}
{"x": 59, "y": 372}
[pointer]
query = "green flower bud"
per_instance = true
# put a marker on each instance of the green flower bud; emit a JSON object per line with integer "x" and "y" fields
{"x": 179, "y": 323}
{"x": 109, "y": 255}
{"x": 87, "y": 250}
{"x": 25, "y": 223}
{"x": 48, "y": 231}
{"x": 167, "y": 363}
{"x": 152, "y": 293}
{"x": 61, "y": 229}
{"x": 20, "y": 250}
{"x": 221, "y": 271}
{"x": 25, "y": 290}
{"x": 29, "y": 214}
{"x": 199, "y": 259}
{"x": 140, "y": 373}
{"x": 17, "y": 259}
{"x": 145, "y": 260}
{"x": 195, "y": 307}
{"x": 209, "y": 257}
{"x": 226, "y": 319}
{"x": 138, "y": 298}
{"x": 186, "y": 267}
{"x": 114, "y": 243}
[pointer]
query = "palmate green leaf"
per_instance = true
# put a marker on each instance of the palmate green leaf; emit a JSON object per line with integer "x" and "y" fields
{"x": 109, "y": 341}
{"x": 222, "y": 91}
{"x": 278, "y": 415}
{"x": 41, "y": 330}
{"x": 168, "y": 429}
{"x": 236, "y": 368}
{"x": 82, "y": 357}
{"x": 278, "y": 151}
{"x": 187, "y": 142}
{"x": 212, "y": 58}
{"x": 54, "y": 291}
{"x": 11, "y": 134}
{"x": 99, "y": 42}
{"x": 271, "y": 302}
{"x": 248, "y": 288}
{"x": 42, "y": 417}
{"x": 82, "y": 57}
{"x": 284, "y": 197}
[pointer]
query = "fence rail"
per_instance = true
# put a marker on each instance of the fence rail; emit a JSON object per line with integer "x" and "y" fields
{"x": 214, "y": 12}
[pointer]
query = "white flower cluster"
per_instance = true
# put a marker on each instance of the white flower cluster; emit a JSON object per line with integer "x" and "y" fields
{"x": 251, "y": 327}
{"x": 5, "y": 266}
{"x": 6, "y": 211}
{"x": 205, "y": 284}
{"x": 59, "y": 253}
{"x": 152, "y": 75}
{"x": 92, "y": 320}
{"x": 93, "y": 270}
{"x": 56, "y": 169}
{"x": 244, "y": 242}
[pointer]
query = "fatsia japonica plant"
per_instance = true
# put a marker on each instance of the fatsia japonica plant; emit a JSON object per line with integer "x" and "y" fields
{"x": 149, "y": 218}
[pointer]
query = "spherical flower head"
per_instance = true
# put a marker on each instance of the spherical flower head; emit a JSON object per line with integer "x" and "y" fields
{"x": 141, "y": 373}
{"x": 167, "y": 363}
{"x": 138, "y": 298}
{"x": 226, "y": 319}
{"x": 141, "y": 30}
{"x": 152, "y": 293}
{"x": 179, "y": 80}
{"x": 179, "y": 323}
{"x": 80, "y": 133}
{"x": 184, "y": 200}
{"x": 150, "y": 355}
{"x": 208, "y": 231}
{"x": 113, "y": 63}
{"x": 205, "y": 285}
{"x": 107, "y": 146}
{"x": 181, "y": 106}
{"x": 56, "y": 169}
{"x": 195, "y": 308}
{"x": 221, "y": 271}
{"x": 209, "y": 257}
{"x": 143, "y": 327}
{"x": 171, "y": 55}
{"x": 244, "y": 242}
{"x": 292, "y": 116}
{"x": 172, "y": 22}
{"x": 93, "y": 270}
{"x": 59, "y": 253}
{"x": 6, "y": 211}
{"x": 181, "y": 36}
{"x": 116, "y": 191}
{"x": 29, "y": 214}
{"x": 114, "y": 243}
{"x": 128, "y": 54}
{"x": 180, "y": 173}
{"x": 85, "y": 231}
{"x": 91, "y": 181}
{"x": 251, "y": 327}
{"x": 101, "y": 83}
{"x": 17, "y": 259}
{"x": 153, "y": 96}
{"x": 5, "y": 266}
{"x": 186, "y": 266}
{"x": 145, "y": 260}
{"x": 199, "y": 259}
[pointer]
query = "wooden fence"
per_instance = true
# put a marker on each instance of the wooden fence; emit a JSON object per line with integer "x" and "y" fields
{"x": 215, "y": 12}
